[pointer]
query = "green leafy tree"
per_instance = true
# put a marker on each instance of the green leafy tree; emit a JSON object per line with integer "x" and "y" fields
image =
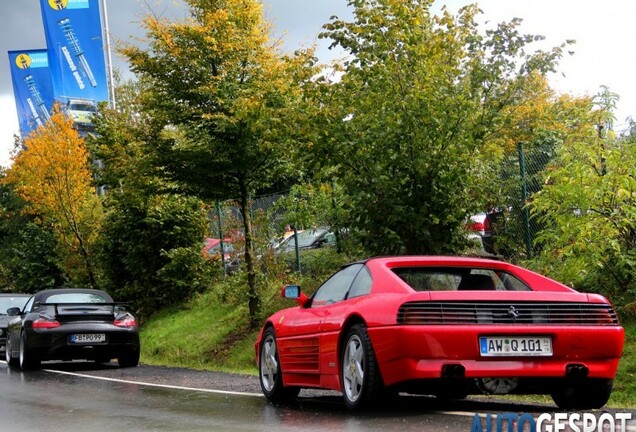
{"x": 27, "y": 259}
{"x": 151, "y": 250}
{"x": 151, "y": 237}
{"x": 227, "y": 97}
{"x": 588, "y": 208}
{"x": 418, "y": 98}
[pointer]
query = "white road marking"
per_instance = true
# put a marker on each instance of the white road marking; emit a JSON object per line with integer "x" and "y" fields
{"x": 225, "y": 392}
{"x": 458, "y": 413}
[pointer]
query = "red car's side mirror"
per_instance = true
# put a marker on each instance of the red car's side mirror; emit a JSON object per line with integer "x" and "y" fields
{"x": 293, "y": 292}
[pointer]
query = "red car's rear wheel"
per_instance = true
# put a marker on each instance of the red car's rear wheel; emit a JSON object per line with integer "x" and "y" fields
{"x": 583, "y": 395}
{"x": 361, "y": 380}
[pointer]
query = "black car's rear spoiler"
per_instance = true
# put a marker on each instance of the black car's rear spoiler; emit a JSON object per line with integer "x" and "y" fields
{"x": 84, "y": 307}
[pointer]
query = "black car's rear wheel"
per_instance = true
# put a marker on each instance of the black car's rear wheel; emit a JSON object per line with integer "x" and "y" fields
{"x": 11, "y": 361}
{"x": 269, "y": 371}
{"x": 129, "y": 358}
{"x": 584, "y": 394}
{"x": 28, "y": 358}
{"x": 360, "y": 376}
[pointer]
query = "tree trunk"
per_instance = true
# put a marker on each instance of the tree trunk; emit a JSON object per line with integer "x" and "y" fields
{"x": 253, "y": 299}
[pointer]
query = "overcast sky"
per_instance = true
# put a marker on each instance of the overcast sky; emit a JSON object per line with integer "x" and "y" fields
{"x": 605, "y": 53}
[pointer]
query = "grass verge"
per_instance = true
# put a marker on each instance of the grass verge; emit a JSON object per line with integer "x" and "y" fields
{"x": 203, "y": 334}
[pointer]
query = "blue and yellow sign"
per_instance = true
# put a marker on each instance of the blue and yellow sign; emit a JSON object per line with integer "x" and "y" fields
{"x": 32, "y": 87}
{"x": 73, "y": 32}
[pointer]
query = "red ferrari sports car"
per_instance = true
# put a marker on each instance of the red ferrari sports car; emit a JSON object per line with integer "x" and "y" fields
{"x": 446, "y": 326}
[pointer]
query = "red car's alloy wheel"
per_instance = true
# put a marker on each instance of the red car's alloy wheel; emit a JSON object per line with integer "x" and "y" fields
{"x": 353, "y": 368}
{"x": 361, "y": 380}
{"x": 270, "y": 372}
{"x": 269, "y": 364}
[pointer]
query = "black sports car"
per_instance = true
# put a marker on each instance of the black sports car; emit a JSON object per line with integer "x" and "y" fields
{"x": 7, "y": 301}
{"x": 71, "y": 324}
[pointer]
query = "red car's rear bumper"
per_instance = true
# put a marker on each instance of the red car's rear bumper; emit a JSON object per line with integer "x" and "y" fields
{"x": 412, "y": 352}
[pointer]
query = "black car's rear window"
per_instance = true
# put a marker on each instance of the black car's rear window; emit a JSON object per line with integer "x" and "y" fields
{"x": 77, "y": 298}
{"x": 459, "y": 279}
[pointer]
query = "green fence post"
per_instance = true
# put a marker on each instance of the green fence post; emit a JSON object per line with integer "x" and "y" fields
{"x": 297, "y": 249}
{"x": 218, "y": 213}
{"x": 524, "y": 198}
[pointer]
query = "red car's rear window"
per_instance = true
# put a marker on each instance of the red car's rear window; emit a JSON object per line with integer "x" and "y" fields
{"x": 459, "y": 279}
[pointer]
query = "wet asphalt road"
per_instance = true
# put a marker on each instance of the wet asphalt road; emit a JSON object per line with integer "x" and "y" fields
{"x": 70, "y": 397}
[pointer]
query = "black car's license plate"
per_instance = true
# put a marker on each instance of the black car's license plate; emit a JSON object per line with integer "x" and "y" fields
{"x": 83, "y": 338}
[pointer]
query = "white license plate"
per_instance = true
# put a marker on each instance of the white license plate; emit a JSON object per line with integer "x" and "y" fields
{"x": 525, "y": 346}
{"x": 88, "y": 338}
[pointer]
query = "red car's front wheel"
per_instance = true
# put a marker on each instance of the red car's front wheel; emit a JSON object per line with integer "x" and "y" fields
{"x": 269, "y": 371}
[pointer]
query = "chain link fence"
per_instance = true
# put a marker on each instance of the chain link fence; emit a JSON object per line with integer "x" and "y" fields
{"x": 520, "y": 177}
{"x": 514, "y": 229}
{"x": 227, "y": 228}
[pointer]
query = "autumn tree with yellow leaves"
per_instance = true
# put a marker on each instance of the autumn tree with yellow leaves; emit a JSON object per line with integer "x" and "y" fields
{"x": 52, "y": 175}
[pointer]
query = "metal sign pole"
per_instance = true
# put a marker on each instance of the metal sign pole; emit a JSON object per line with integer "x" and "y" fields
{"x": 109, "y": 59}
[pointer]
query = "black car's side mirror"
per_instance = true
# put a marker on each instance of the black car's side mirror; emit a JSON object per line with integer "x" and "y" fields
{"x": 14, "y": 311}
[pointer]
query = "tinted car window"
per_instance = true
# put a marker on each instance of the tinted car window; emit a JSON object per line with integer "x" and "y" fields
{"x": 216, "y": 249}
{"x": 308, "y": 239}
{"x": 29, "y": 305}
{"x": 459, "y": 279}
{"x": 361, "y": 284}
{"x": 82, "y": 107}
{"x": 76, "y": 298}
{"x": 7, "y": 302}
{"x": 335, "y": 289}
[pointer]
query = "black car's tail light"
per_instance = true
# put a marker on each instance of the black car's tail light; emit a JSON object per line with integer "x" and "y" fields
{"x": 126, "y": 321}
{"x": 45, "y": 323}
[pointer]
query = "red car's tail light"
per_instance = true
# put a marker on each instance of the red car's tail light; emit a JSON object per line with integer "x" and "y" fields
{"x": 125, "y": 322}
{"x": 480, "y": 224}
{"x": 44, "y": 323}
{"x": 456, "y": 313}
{"x": 411, "y": 316}
{"x": 476, "y": 226}
{"x": 606, "y": 316}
